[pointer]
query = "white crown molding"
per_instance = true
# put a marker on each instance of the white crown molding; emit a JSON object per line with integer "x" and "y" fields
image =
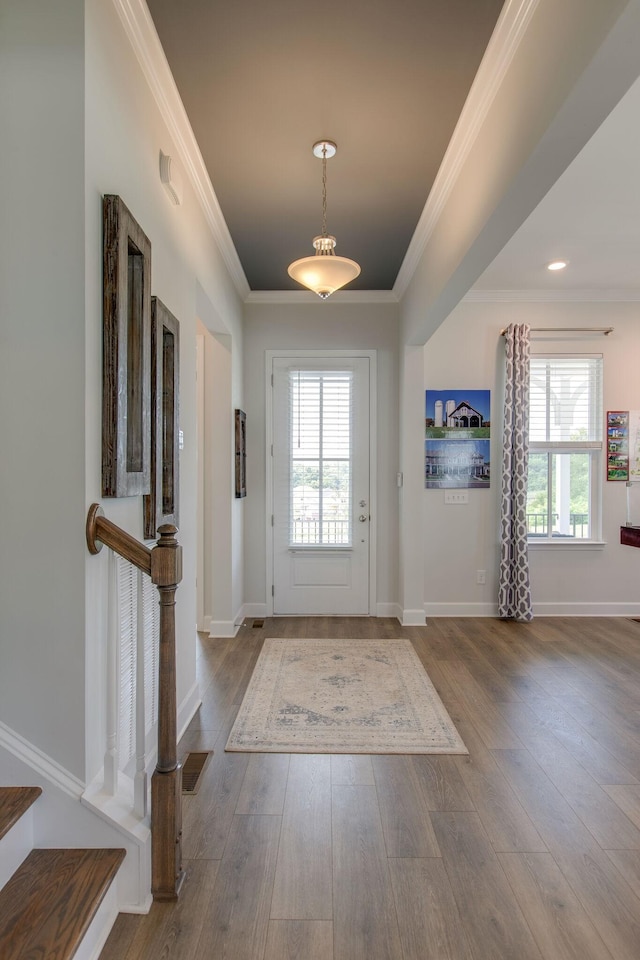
{"x": 504, "y": 42}
{"x": 552, "y": 296}
{"x": 143, "y": 37}
{"x": 307, "y": 297}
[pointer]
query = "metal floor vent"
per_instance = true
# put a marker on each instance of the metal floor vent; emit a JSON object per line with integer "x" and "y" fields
{"x": 194, "y": 764}
{"x": 257, "y": 624}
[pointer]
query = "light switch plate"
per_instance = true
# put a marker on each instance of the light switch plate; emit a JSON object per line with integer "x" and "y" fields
{"x": 456, "y": 496}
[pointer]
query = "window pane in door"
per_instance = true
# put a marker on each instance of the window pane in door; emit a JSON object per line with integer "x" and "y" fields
{"x": 320, "y": 457}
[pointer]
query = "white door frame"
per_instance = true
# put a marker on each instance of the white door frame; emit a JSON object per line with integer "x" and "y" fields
{"x": 302, "y": 354}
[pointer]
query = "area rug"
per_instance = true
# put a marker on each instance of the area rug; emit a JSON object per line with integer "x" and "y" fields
{"x": 342, "y": 696}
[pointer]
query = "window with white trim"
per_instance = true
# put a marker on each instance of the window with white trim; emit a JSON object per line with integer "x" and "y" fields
{"x": 565, "y": 448}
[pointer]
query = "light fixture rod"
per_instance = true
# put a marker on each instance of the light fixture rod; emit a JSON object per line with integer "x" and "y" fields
{"x": 605, "y": 330}
{"x": 324, "y": 190}
{"x": 324, "y": 150}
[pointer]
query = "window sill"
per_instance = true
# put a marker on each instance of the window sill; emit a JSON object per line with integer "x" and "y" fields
{"x": 566, "y": 544}
{"x": 321, "y": 547}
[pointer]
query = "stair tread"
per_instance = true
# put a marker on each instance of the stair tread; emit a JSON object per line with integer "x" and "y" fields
{"x": 50, "y": 901}
{"x": 14, "y": 802}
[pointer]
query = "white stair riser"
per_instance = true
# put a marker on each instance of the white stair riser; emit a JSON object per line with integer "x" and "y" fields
{"x": 99, "y": 928}
{"x": 15, "y": 846}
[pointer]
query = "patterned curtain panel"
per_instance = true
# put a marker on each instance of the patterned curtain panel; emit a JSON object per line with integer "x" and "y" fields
{"x": 514, "y": 592}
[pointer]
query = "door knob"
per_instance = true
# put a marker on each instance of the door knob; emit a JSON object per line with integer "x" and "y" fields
{"x": 362, "y": 518}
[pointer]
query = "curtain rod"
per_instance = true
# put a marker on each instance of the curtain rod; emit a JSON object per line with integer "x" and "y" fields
{"x": 605, "y": 330}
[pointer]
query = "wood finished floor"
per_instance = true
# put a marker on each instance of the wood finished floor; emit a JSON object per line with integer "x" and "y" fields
{"x": 528, "y": 849}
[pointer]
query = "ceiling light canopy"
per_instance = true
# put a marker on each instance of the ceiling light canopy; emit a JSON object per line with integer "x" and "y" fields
{"x": 325, "y": 272}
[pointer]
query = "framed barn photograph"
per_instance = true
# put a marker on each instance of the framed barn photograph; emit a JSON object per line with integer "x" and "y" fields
{"x": 457, "y": 439}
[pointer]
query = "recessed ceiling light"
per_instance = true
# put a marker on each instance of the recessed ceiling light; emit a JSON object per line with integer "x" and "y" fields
{"x": 557, "y": 264}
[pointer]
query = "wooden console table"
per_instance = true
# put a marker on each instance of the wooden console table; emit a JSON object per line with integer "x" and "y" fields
{"x": 630, "y": 536}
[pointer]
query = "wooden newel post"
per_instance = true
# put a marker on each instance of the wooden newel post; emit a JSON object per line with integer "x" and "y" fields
{"x": 166, "y": 782}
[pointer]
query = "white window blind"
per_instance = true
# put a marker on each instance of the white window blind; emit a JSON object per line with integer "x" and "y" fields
{"x": 565, "y": 401}
{"x": 320, "y": 419}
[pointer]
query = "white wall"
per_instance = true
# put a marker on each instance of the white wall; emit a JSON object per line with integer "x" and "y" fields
{"x": 315, "y": 326}
{"x": 42, "y": 377}
{"x": 124, "y": 135}
{"x": 79, "y": 120}
{"x": 467, "y": 352}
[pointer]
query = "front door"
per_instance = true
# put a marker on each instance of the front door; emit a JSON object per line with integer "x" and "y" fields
{"x": 321, "y": 490}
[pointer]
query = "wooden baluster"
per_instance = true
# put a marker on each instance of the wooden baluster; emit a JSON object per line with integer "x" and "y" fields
{"x": 166, "y": 783}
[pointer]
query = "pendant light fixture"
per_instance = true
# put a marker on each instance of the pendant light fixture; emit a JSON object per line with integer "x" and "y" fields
{"x": 325, "y": 272}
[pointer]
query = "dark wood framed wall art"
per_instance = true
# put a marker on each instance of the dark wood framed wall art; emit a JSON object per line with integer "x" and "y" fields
{"x": 241, "y": 453}
{"x": 161, "y": 504}
{"x": 126, "y": 372}
{"x": 140, "y": 383}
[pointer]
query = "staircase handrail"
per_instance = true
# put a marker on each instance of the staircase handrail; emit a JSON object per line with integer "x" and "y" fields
{"x": 163, "y": 564}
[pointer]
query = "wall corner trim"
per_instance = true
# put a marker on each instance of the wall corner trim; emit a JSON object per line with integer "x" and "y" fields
{"x": 413, "y": 618}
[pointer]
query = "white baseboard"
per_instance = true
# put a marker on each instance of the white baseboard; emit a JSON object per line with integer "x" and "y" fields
{"x": 586, "y": 609}
{"x": 539, "y": 610}
{"x": 254, "y": 610}
{"x": 461, "y": 609}
{"x": 43, "y": 765}
{"x": 413, "y": 618}
{"x": 389, "y": 610}
{"x": 260, "y": 610}
{"x": 223, "y": 628}
{"x": 220, "y": 628}
{"x": 187, "y": 709}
